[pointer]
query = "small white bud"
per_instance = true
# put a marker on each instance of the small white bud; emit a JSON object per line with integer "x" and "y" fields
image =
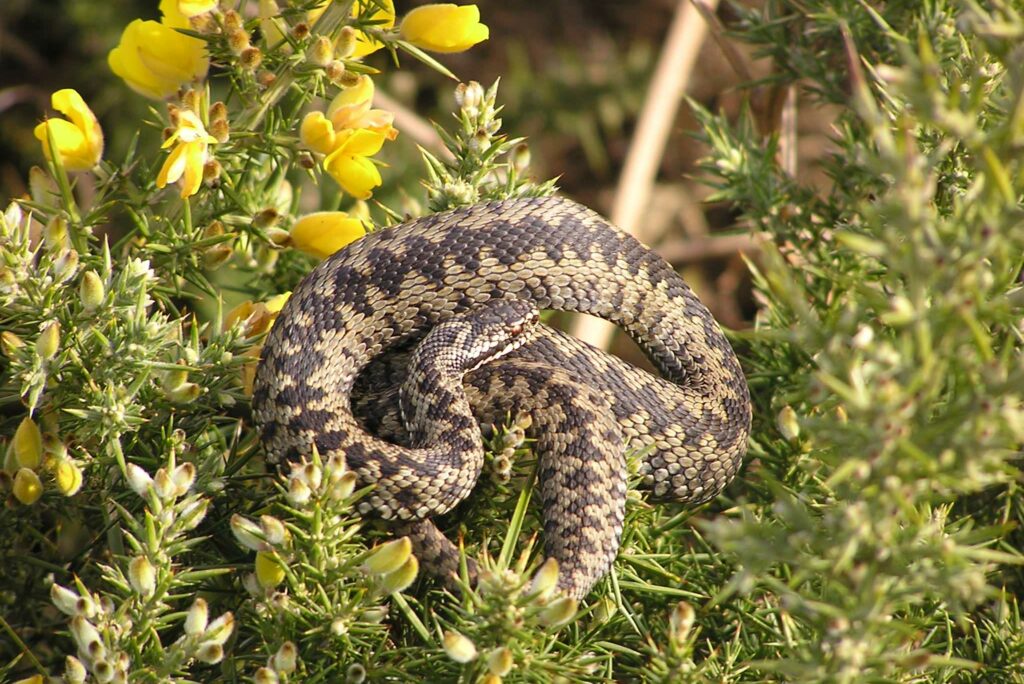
{"x": 74, "y": 671}
{"x": 183, "y": 477}
{"x": 458, "y": 647}
{"x": 248, "y": 533}
{"x": 139, "y": 480}
{"x": 197, "y": 617}
{"x": 220, "y": 629}
{"x": 142, "y": 576}
{"x": 284, "y": 661}
{"x": 210, "y": 653}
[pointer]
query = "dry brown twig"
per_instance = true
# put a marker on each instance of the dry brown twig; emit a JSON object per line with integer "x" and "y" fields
{"x": 664, "y": 94}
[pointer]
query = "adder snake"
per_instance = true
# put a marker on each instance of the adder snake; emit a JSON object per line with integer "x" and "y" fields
{"x": 331, "y": 361}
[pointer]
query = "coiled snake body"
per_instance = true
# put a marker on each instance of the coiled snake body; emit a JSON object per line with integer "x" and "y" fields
{"x": 376, "y": 298}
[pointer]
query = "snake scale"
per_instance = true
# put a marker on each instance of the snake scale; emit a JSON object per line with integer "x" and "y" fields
{"x": 332, "y": 361}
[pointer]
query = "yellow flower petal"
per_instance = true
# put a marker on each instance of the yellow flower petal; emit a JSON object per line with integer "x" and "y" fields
{"x": 80, "y": 140}
{"x": 317, "y": 133}
{"x": 173, "y": 168}
{"x": 276, "y": 303}
{"x": 363, "y": 142}
{"x": 359, "y": 94}
{"x": 154, "y": 59}
{"x": 195, "y": 154}
{"x": 27, "y": 487}
{"x": 28, "y": 444}
{"x": 323, "y": 233}
{"x": 172, "y": 15}
{"x": 444, "y": 27}
{"x": 269, "y": 572}
{"x": 356, "y": 175}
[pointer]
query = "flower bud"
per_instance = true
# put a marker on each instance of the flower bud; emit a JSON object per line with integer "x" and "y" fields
{"x": 265, "y": 218}
{"x": 400, "y": 579}
{"x": 103, "y": 671}
{"x": 87, "y": 637}
{"x": 74, "y": 671}
{"x": 558, "y": 612}
{"x": 500, "y": 661}
{"x": 48, "y": 341}
{"x": 186, "y": 393}
{"x": 248, "y": 533}
{"x": 28, "y": 444}
{"x": 269, "y": 572}
{"x": 251, "y": 58}
{"x": 335, "y": 71}
{"x": 238, "y": 40}
{"x": 55, "y": 235}
{"x": 212, "y": 171}
{"x": 520, "y": 158}
{"x": 788, "y": 423}
{"x": 139, "y": 480}
{"x": 165, "y": 488}
{"x": 27, "y": 487}
{"x": 210, "y": 653}
{"x": 65, "y": 265}
{"x": 142, "y": 576}
{"x": 41, "y": 187}
{"x": 680, "y": 622}
{"x": 10, "y": 343}
{"x": 545, "y": 579}
{"x": 183, "y": 476}
{"x": 284, "y": 660}
{"x": 193, "y": 513}
{"x": 298, "y": 491}
{"x": 216, "y": 256}
{"x": 346, "y": 42}
{"x": 469, "y": 95}
{"x": 91, "y": 291}
{"x": 374, "y": 615}
{"x": 458, "y": 647}
{"x": 388, "y": 557}
{"x": 321, "y": 52}
{"x": 68, "y": 602}
{"x": 273, "y": 530}
{"x": 196, "y": 618}
{"x": 342, "y": 488}
{"x": 68, "y": 476}
{"x": 265, "y": 675}
{"x": 265, "y": 78}
{"x": 220, "y": 629}
{"x": 355, "y": 674}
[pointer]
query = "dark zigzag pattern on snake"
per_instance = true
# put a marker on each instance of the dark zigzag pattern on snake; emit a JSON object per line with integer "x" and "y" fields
{"x": 389, "y": 288}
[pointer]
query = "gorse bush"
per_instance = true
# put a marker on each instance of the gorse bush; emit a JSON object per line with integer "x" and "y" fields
{"x": 872, "y": 536}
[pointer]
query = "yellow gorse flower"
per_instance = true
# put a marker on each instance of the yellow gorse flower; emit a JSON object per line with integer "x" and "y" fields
{"x": 350, "y": 165}
{"x": 444, "y": 27}
{"x": 350, "y": 110}
{"x": 185, "y": 163}
{"x": 79, "y": 139}
{"x": 349, "y": 134}
{"x": 154, "y": 59}
{"x": 323, "y": 233}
